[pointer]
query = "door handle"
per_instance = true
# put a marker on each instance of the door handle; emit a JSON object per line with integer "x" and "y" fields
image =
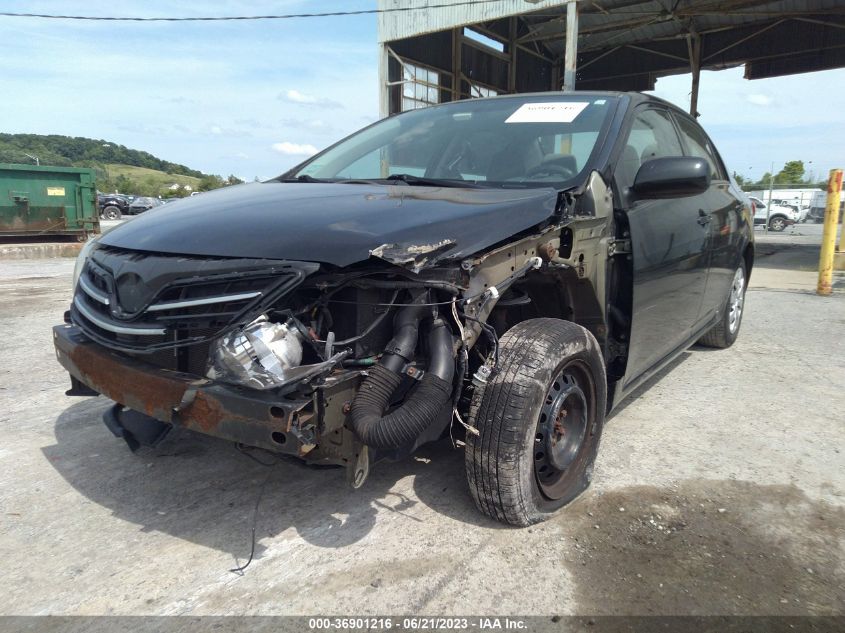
{"x": 703, "y": 218}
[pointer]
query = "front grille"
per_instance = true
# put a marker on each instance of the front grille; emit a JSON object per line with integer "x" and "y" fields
{"x": 190, "y": 359}
{"x": 166, "y": 309}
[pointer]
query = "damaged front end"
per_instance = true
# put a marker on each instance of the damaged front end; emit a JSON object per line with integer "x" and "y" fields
{"x": 333, "y": 364}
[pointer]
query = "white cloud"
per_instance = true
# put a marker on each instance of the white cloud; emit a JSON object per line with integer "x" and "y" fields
{"x": 298, "y": 97}
{"x": 295, "y": 149}
{"x": 216, "y": 129}
{"x": 759, "y": 99}
{"x": 303, "y": 98}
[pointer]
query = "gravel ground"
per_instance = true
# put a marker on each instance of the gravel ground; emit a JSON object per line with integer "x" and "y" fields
{"x": 718, "y": 490}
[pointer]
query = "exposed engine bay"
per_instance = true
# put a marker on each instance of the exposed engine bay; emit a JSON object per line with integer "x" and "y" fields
{"x": 343, "y": 365}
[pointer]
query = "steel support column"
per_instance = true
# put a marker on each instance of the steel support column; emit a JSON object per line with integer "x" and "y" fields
{"x": 512, "y": 51}
{"x": 571, "y": 60}
{"x": 694, "y": 46}
{"x": 457, "y": 49}
{"x": 383, "y": 78}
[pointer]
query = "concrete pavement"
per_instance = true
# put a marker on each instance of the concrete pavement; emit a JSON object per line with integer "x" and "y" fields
{"x": 718, "y": 490}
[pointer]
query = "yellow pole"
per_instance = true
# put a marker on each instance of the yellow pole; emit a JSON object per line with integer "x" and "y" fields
{"x": 840, "y": 250}
{"x": 831, "y": 221}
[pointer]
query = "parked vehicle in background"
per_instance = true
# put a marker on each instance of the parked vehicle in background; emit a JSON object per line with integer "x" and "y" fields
{"x": 818, "y": 205}
{"x": 795, "y": 205}
{"x": 112, "y": 205}
{"x": 503, "y": 270}
{"x": 799, "y": 197}
{"x": 779, "y": 217}
{"x": 144, "y": 203}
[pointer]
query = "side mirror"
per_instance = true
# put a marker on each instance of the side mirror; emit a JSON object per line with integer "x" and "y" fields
{"x": 672, "y": 177}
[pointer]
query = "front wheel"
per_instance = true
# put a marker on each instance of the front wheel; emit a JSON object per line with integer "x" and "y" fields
{"x": 777, "y": 224}
{"x": 540, "y": 420}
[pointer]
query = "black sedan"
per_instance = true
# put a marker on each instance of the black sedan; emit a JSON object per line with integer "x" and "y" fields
{"x": 144, "y": 203}
{"x": 500, "y": 271}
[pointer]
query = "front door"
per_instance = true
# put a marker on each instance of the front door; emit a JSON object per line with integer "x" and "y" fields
{"x": 669, "y": 249}
{"x": 725, "y": 210}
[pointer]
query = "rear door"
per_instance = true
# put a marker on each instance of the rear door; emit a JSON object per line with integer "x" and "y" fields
{"x": 668, "y": 246}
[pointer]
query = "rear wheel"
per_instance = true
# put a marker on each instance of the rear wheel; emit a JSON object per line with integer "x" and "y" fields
{"x": 540, "y": 419}
{"x": 724, "y": 333}
{"x": 111, "y": 212}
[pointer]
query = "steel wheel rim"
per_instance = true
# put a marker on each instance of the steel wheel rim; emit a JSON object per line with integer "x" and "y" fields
{"x": 736, "y": 300}
{"x": 566, "y": 421}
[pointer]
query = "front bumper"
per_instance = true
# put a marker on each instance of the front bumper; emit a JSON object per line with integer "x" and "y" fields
{"x": 239, "y": 415}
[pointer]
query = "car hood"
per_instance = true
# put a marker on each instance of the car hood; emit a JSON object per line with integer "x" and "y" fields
{"x": 336, "y": 223}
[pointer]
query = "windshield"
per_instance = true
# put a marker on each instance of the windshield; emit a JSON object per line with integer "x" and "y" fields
{"x": 526, "y": 141}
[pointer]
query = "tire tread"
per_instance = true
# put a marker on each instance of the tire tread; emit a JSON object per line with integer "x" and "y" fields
{"x": 492, "y": 458}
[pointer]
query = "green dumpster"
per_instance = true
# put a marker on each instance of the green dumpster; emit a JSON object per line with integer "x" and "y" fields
{"x": 43, "y": 201}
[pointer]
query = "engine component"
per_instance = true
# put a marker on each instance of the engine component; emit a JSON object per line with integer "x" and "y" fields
{"x": 260, "y": 355}
{"x": 402, "y": 426}
{"x": 480, "y": 377}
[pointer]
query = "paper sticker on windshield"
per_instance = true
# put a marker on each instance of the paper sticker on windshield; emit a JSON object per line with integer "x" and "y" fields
{"x": 547, "y": 112}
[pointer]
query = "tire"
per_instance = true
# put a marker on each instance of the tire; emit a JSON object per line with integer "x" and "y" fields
{"x": 777, "y": 224}
{"x": 111, "y": 212}
{"x": 725, "y": 332}
{"x": 529, "y": 460}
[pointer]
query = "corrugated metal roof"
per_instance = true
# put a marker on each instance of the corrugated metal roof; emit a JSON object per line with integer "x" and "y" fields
{"x": 630, "y": 42}
{"x": 402, "y": 24}
{"x": 601, "y": 22}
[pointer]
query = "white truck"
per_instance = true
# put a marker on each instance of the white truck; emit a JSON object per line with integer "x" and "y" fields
{"x": 779, "y": 217}
{"x": 800, "y": 199}
{"x": 818, "y": 204}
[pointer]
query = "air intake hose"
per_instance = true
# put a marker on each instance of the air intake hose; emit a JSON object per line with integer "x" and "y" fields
{"x": 402, "y": 426}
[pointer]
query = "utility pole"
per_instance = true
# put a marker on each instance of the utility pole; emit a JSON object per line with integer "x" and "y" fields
{"x": 771, "y": 195}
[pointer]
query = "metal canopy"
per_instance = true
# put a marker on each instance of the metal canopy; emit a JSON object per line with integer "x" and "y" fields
{"x": 621, "y": 44}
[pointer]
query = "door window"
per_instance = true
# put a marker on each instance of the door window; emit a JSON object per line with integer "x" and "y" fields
{"x": 699, "y": 145}
{"x": 652, "y": 135}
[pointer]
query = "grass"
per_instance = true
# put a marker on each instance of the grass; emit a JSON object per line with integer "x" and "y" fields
{"x": 160, "y": 178}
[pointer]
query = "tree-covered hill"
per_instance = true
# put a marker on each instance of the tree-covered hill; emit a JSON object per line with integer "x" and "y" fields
{"x": 117, "y": 168}
{"x": 53, "y": 149}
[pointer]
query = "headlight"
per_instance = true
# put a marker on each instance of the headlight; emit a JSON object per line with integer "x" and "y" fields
{"x": 259, "y": 355}
{"x": 84, "y": 254}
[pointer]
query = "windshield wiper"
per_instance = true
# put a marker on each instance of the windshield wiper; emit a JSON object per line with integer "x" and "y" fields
{"x": 430, "y": 182}
{"x": 304, "y": 178}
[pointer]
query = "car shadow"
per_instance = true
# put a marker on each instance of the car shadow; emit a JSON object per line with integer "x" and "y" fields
{"x": 203, "y": 490}
{"x": 648, "y": 384}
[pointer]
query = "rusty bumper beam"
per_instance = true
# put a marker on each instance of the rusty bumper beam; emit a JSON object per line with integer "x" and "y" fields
{"x": 246, "y": 416}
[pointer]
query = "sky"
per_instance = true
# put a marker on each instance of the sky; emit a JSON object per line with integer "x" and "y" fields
{"x": 253, "y": 98}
